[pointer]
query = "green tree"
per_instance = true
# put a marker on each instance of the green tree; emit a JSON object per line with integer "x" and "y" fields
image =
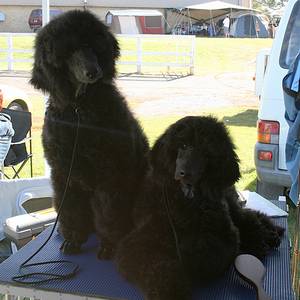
{"x": 268, "y": 6}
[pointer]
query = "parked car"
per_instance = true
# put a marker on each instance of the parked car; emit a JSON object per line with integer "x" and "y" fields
{"x": 13, "y": 98}
{"x": 271, "y": 67}
{"x": 35, "y": 20}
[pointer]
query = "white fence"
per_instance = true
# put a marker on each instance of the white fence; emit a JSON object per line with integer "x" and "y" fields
{"x": 172, "y": 52}
{"x": 10, "y": 55}
{"x": 139, "y": 53}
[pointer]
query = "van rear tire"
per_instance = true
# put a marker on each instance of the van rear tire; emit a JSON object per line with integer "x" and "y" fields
{"x": 268, "y": 190}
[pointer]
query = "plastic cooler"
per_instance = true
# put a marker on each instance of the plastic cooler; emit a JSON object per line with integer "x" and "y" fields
{"x": 23, "y": 228}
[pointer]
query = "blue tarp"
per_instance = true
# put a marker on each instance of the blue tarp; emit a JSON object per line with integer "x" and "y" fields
{"x": 100, "y": 279}
{"x": 291, "y": 90}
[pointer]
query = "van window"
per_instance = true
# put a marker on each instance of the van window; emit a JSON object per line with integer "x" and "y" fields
{"x": 54, "y": 13}
{"x": 153, "y": 21}
{"x": 36, "y": 13}
{"x": 291, "y": 41}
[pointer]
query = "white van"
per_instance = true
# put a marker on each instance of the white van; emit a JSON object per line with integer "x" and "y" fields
{"x": 271, "y": 67}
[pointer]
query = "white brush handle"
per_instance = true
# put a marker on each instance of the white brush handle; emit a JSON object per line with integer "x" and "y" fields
{"x": 262, "y": 295}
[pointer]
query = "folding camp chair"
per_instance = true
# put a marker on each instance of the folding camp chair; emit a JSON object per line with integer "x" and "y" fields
{"x": 17, "y": 156}
{"x": 6, "y": 133}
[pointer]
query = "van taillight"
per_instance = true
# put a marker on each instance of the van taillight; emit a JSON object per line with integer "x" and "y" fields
{"x": 265, "y": 155}
{"x": 268, "y": 132}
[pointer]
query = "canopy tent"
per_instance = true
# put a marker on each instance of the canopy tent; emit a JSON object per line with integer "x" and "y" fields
{"x": 206, "y": 19}
{"x": 213, "y": 9}
{"x": 135, "y": 21}
{"x": 136, "y": 12}
{"x": 213, "y": 5}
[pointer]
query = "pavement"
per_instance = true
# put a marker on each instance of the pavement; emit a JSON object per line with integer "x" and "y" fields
{"x": 164, "y": 95}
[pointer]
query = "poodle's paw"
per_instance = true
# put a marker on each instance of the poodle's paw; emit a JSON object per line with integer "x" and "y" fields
{"x": 152, "y": 296}
{"x": 70, "y": 247}
{"x": 105, "y": 253}
{"x": 273, "y": 237}
{"x": 266, "y": 241}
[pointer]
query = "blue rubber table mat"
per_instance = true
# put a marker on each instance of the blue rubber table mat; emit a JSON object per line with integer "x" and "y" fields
{"x": 100, "y": 278}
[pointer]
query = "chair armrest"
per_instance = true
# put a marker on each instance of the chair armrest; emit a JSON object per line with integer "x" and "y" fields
{"x": 22, "y": 141}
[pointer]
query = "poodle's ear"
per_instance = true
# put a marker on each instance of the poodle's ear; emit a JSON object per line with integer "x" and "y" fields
{"x": 156, "y": 152}
{"x": 163, "y": 156}
{"x": 39, "y": 74}
{"x": 38, "y": 78}
{"x": 230, "y": 171}
{"x": 114, "y": 44}
{"x": 224, "y": 169}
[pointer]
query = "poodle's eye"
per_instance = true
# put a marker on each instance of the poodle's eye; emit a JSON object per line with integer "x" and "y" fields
{"x": 183, "y": 146}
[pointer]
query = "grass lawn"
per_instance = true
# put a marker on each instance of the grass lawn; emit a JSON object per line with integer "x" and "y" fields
{"x": 241, "y": 123}
{"x": 213, "y": 55}
{"x": 222, "y": 55}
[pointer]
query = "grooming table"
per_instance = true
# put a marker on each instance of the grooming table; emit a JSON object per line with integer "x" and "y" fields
{"x": 100, "y": 280}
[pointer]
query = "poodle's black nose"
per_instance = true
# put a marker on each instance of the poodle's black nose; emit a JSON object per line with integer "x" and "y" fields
{"x": 180, "y": 174}
{"x": 93, "y": 74}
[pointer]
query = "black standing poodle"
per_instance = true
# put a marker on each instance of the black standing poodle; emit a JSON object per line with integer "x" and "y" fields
{"x": 189, "y": 222}
{"x": 74, "y": 62}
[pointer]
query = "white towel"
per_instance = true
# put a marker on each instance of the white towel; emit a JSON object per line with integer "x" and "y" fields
{"x": 261, "y": 204}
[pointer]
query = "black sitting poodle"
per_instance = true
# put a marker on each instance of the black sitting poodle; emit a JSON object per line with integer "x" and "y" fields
{"x": 188, "y": 222}
{"x": 75, "y": 58}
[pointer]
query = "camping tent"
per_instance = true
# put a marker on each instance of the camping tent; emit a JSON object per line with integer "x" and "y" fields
{"x": 248, "y": 24}
{"x": 2, "y": 16}
{"x": 134, "y": 21}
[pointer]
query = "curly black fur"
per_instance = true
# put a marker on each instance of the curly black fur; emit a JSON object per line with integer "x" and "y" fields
{"x": 75, "y": 63}
{"x": 188, "y": 224}
{"x": 258, "y": 234}
{"x": 184, "y": 233}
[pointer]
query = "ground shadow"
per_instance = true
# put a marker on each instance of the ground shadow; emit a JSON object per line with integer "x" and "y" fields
{"x": 251, "y": 186}
{"x": 247, "y": 118}
{"x": 151, "y": 77}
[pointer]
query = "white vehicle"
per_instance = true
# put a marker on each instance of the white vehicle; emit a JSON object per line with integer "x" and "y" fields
{"x": 272, "y": 66}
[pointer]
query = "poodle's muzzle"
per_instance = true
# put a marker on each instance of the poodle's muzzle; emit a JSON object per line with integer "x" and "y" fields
{"x": 184, "y": 171}
{"x": 84, "y": 66}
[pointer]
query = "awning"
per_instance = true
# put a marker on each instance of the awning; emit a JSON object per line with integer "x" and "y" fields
{"x": 213, "y": 9}
{"x": 217, "y": 5}
{"x": 136, "y": 12}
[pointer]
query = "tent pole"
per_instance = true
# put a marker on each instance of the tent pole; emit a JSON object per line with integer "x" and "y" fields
{"x": 212, "y": 25}
{"x": 166, "y": 23}
{"x": 180, "y": 20}
{"x": 45, "y": 12}
{"x": 176, "y": 22}
{"x": 295, "y": 255}
{"x": 189, "y": 22}
{"x": 230, "y": 22}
